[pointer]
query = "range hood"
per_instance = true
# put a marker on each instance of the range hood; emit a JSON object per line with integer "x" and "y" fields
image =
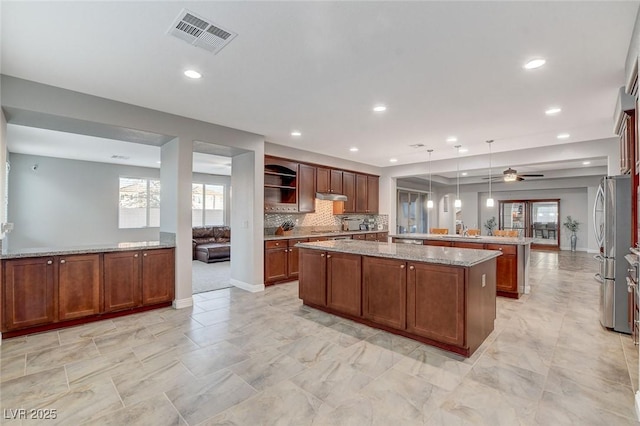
{"x": 330, "y": 196}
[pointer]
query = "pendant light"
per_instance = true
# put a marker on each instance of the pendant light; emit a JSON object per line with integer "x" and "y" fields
{"x": 429, "y": 201}
{"x": 458, "y": 203}
{"x": 490, "y": 201}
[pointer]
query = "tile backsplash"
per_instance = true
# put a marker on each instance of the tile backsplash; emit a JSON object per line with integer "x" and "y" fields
{"x": 322, "y": 218}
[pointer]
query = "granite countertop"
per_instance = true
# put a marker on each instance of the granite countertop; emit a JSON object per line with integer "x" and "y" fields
{"x": 427, "y": 254}
{"x": 476, "y": 239}
{"x": 307, "y": 234}
{"x": 84, "y": 249}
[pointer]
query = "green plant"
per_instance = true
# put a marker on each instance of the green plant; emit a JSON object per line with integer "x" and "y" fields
{"x": 490, "y": 225}
{"x": 571, "y": 224}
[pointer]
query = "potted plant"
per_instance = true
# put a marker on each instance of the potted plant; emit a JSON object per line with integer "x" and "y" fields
{"x": 490, "y": 225}
{"x": 573, "y": 226}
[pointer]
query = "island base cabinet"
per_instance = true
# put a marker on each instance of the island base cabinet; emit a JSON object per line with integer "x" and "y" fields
{"x": 436, "y": 303}
{"x": 384, "y": 291}
{"x": 79, "y": 286}
{"x": 313, "y": 277}
{"x": 122, "y": 288}
{"x": 158, "y": 276}
{"x": 344, "y": 283}
{"x": 29, "y": 294}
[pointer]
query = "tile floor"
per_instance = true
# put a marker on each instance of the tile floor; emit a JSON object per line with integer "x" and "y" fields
{"x": 247, "y": 359}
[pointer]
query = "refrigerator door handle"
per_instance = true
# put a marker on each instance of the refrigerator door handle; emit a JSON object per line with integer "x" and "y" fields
{"x": 598, "y": 257}
{"x": 598, "y": 232}
{"x": 599, "y": 278}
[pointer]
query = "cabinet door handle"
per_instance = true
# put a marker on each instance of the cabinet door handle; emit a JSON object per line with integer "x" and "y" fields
{"x": 328, "y": 256}
{"x": 411, "y": 267}
{"x": 49, "y": 262}
{"x": 135, "y": 255}
{"x": 145, "y": 254}
{"x": 277, "y": 244}
{"x": 321, "y": 254}
{"x": 401, "y": 266}
{"x": 500, "y": 249}
{"x": 63, "y": 261}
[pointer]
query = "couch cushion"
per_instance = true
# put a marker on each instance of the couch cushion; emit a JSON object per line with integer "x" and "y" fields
{"x": 222, "y": 232}
{"x": 202, "y": 232}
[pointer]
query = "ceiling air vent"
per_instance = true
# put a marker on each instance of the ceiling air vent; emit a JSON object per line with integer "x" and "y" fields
{"x": 200, "y": 32}
{"x": 417, "y": 145}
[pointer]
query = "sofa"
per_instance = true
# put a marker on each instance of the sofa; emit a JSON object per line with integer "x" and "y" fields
{"x": 211, "y": 243}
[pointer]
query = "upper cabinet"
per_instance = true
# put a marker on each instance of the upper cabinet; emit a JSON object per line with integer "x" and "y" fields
{"x": 290, "y": 187}
{"x": 626, "y": 132}
{"x": 328, "y": 180}
{"x": 280, "y": 185}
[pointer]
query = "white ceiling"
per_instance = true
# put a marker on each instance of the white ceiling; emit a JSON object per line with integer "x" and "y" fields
{"x": 442, "y": 68}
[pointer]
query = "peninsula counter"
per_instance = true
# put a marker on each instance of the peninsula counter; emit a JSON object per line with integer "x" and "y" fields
{"x": 512, "y": 267}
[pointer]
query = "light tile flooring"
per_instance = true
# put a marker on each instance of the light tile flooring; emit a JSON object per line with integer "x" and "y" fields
{"x": 247, "y": 359}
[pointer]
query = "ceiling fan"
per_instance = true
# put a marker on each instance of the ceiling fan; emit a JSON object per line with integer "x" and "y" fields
{"x": 511, "y": 175}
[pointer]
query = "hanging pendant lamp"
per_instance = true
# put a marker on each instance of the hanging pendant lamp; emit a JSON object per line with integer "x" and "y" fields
{"x": 458, "y": 203}
{"x": 429, "y": 201}
{"x": 490, "y": 201}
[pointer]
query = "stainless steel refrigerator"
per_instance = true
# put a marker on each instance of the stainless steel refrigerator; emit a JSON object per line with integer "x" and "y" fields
{"x": 612, "y": 225}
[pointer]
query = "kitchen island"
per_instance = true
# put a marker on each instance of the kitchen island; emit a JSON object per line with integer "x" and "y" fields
{"x": 47, "y": 288}
{"x": 445, "y": 297}
{"x": 512, "y": 267}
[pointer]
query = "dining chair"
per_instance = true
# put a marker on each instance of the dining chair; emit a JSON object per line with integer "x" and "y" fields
{"x": 473, "y": 232}
{"x": 439, "y": 230}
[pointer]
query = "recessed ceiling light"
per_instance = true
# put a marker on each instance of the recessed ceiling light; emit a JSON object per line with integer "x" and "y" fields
{"x": 192, "y": 74}
{"x": 463, "y": 150}
{"x": 354, "y": 149}
{"x": 393, "y": 160}
{"x": 464, "y": 173}
{"x": 563, "y": 136}
{"x": 452, "y": 139}
{"x": 296, "y": 133}
{"x": 379, "y": 108}
{"x": 534, "y": 63}
{"x": 586, "y": 163}
{"x": 553, "y": 111}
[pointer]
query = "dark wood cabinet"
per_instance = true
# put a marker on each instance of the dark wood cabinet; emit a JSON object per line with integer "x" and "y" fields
{"x": 372, "y": 194}
{"x": 281, "y": 260}
{"x": 435, "y": 302}
{"x": 158, "y": 276}
{"x": 367, "y": 194}
{"x": 359, "y": 237}
{"x": 122, "y": 285}
{"x": 437, "y": 243}
{"x": 384, "y": 291}
{"x": 382, "y": 237}
{"x": 328, "y": 180}
{"x": 29, "y": 296}
{"x": 349, "y": 190}
{"x": 506, "y": 269}
{"x": 626, "y": 132}
{"x": 344, "y": 283}
{"x": 280, "y": 185}
{"x": 313, "y": 277}
{"x": 79, "y": 286}
{"x": 306, "y": 189}
{"x": 465, "y": 244}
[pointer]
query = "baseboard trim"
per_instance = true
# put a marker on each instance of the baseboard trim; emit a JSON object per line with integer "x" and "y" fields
{"x": 182, "y": 303}
{"x": 638, "y": 405}
{"x": 253, "y": 288}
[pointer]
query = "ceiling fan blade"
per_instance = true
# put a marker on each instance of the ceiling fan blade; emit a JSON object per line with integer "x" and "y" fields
{"x": 531, "y": 175}
{"x": 519, "y": 178}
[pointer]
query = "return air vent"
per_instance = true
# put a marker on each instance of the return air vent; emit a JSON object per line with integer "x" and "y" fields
{"x": 417, "y": 145}
{"x": 120, "y": 157}
{"x": 200, "y": 32}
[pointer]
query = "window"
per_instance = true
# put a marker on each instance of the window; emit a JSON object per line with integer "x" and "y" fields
{"x": 207, "y": 204}
{"x": 139, "y": 203}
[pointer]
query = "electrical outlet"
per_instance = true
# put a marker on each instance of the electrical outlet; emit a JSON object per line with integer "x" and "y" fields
{"x": 484, "y": 280}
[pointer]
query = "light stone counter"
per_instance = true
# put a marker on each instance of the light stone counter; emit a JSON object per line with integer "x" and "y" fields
{"x": 417, "y": 253}
{"x": 475, "y": 239}
{"x": 84, "y": 249}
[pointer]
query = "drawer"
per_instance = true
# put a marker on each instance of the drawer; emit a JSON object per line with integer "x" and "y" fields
{"x": 359, "y": 237}
{"x": 506, "y": 249}
{"x": 295, "y": 241}
{"x": 314, "y": 239}
{"x": 383, "y": 236}
{"x": 370, "y": 237}
{"x": 275, "y": 244}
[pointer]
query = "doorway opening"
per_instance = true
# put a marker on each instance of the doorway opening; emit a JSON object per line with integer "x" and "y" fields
{"x": 537, "y": 219}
